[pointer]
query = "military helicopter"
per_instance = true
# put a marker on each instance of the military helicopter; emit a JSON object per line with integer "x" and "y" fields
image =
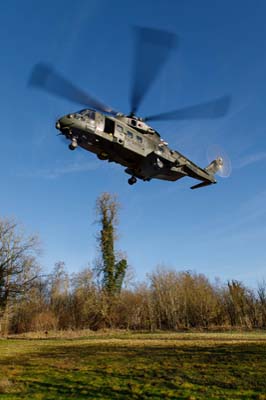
{"x": 127, "y": 139}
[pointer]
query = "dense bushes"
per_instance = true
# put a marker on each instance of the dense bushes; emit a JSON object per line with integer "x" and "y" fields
{"x": 168, "y": 300}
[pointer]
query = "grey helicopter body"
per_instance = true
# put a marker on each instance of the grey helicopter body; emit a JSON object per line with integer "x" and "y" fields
{"x": 127, "y": 139}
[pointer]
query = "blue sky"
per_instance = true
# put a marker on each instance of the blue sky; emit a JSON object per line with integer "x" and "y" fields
{"x": 219, "y": 230}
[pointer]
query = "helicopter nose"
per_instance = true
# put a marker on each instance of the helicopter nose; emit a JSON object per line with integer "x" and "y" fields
{"x": 63, "y": 122}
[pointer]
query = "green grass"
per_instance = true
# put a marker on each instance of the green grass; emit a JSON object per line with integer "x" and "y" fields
{"x": 135, "y": 366}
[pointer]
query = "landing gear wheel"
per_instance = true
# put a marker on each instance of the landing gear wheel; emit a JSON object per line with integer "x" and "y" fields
{"x": 132, "y": 180}
{"x": 102, "y": 156}
{"x": 74, "y": 144}
{"x": 71, "y": 147}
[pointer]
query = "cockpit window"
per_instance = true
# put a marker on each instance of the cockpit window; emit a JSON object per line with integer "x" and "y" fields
{"x": 91, "y": 115}
{"x": 88, "y": 113}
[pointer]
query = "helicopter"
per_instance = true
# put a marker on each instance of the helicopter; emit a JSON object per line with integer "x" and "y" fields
{"x": 128, "y": 139}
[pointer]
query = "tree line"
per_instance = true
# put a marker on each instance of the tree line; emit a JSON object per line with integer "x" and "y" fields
{"x": 104, "y": 296}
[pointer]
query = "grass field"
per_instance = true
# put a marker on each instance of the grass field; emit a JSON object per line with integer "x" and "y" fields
{"x": 135, "y": 366}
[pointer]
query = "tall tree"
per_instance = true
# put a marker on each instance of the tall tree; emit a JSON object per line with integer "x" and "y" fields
{"x": 112, "y": 267}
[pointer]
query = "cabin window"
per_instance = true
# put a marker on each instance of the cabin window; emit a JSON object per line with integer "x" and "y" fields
{"x": 130, "y": 134}
{"x": 119, "y": 128}
{"x": 139, "y": 139}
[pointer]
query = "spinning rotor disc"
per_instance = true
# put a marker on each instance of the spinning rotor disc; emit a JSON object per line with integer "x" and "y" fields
{"x": 217, "y": 153}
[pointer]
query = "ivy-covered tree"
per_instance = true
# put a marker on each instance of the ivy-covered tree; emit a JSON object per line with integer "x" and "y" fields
{"x": 111, "y": 268}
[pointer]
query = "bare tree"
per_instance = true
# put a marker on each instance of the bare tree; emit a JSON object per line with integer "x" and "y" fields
{"x": 240, "y": 304}
{"x": 60, "y": 300}
{"x": 18, "y": 264}
{"x": 261, "y": 291}
{"x": 85, "y": 300}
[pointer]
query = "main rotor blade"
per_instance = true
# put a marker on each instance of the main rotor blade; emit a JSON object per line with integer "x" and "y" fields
{"x": 152, "y": 48}
{"x": 46, "y": 78}
{"x": 210, "y": 110}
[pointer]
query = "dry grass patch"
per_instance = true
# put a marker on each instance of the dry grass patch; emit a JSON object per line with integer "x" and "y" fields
{"x": 5, "y": 385}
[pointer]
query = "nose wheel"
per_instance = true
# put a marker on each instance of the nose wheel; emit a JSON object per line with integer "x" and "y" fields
{"x": 73, "y": 145}
{"x": 132, "y": 180}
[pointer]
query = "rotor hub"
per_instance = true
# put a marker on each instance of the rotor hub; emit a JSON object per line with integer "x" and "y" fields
{"x": 220, "y": 162}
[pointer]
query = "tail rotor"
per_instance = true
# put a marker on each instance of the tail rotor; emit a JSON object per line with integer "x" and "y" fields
{"x": 220, "y": 162}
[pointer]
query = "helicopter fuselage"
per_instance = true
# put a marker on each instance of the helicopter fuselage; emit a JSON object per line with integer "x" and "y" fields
{"x": 129, "y": 141}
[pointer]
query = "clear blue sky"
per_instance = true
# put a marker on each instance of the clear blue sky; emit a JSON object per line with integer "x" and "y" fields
{"x": 219, "y": 230}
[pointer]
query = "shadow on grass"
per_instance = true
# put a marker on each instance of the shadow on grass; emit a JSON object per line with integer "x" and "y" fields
{"x": 112, "y": 371}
